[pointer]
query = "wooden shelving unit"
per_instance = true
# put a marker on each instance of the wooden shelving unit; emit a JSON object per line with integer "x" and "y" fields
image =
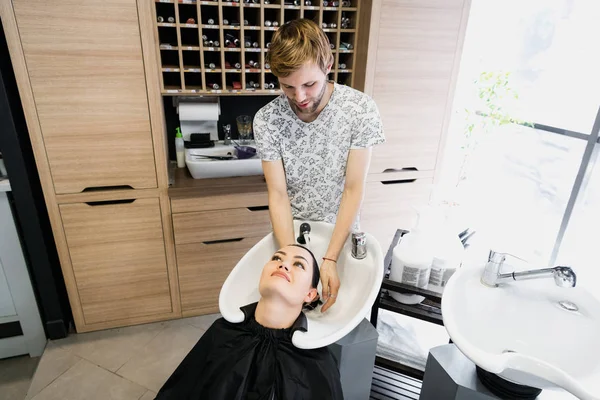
{"x": 219, "y": 47}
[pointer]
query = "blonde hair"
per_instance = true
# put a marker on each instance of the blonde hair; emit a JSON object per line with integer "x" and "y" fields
{"x": 296, "y": 43}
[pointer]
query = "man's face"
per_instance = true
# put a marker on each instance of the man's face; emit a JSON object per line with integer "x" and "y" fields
{"x": 288, "y": 275}
{"x": 305, "y": 88}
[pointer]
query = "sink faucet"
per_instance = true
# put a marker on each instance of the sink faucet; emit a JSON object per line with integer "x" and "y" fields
{"x": 563, "y": 276}
{"x": 303, "y": 237}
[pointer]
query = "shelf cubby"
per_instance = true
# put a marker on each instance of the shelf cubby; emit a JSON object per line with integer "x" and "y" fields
{"x": 213, "y": 78}
{"x": 172, "y": 81}
{"x": 231, "y": 17}
{"x": 188, "y": 14}
{"x": 291, "y": 14}
{"x": 271, "y": 16}
{"x": 191, "y": 38}
{"x": 210, "y": 16}
{"x": 165, "y": 13}
{"x": 252, "y": 16}
{"x": 193, "y": 81}
{"x": 233, "y": 81}
{"x": 347, "y": 41}
{"x": 252, "y": 79}
{"x": 330, "y": 21}
{"x": 313, "y": 15}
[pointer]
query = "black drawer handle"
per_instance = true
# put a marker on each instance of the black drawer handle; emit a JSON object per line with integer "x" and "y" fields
{"x": 223, "y": 241}
{"x": 397, "y": 181}
{"x": 258, "y": 208}
{"x": 389, "y": 170}
{"x": 98, "y": 188}
{"x": 109, "y": 202}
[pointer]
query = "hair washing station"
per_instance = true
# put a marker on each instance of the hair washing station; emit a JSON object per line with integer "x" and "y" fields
{"x": 352, "y": 338}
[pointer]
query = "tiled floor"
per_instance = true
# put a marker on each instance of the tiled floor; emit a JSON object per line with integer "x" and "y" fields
{"x": 129, "y": 363}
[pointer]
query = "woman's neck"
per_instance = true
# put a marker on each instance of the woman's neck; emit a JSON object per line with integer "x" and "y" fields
{"x": 275, "y": 314}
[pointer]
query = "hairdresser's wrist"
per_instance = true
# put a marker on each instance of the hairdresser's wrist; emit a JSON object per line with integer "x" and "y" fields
{"x": 333, "y": 260}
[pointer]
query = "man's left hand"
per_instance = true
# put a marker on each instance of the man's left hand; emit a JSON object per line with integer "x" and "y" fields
{"x": 330, "y": 283}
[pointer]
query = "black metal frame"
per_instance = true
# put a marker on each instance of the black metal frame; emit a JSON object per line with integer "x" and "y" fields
{"x": 429, "y": 310}
{"x": 28, "y": 206}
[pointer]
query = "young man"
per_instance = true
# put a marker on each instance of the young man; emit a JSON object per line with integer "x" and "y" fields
{"x": 256, "y": 359}
{"x": 315, "y": 142}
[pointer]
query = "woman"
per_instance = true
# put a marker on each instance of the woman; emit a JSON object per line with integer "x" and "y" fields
{"x": 256, "y": 359}
{"x": 315, "y": 143}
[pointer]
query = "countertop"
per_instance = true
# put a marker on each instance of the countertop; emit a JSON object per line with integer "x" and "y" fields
{"x": 186, "y": 186}
{"x": 5, "y": 185}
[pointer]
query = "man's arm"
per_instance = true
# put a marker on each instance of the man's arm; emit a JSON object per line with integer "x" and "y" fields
{"x": 280, "y": 210}
{"x": 356, "y": 172}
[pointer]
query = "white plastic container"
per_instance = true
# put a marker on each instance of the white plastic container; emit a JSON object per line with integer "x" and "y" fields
{"x": 412, "y": 258}
{"x": 448, "y": 254}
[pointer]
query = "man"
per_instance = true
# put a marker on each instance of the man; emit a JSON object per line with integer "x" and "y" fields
{"x": 315, "y": 143}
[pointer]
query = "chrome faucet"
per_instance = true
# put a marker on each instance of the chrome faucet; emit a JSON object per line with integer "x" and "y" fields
{"x": 492, "y": 276}
{"x": 303, "y": 237}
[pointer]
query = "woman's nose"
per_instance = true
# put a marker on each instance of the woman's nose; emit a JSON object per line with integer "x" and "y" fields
{"x": 284, "y": 266}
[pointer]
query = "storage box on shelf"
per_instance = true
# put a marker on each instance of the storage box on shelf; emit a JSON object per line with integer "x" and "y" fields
{"x": 219, "y": 48}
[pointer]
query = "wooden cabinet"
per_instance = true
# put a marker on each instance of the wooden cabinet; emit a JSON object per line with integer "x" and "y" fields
{"x": 85, "y": 67}
{"x": 215, "y": 222}
{"x": 203, "y": 268}
{"x": 118, "y": 257}
{"x": 390, "y": 204}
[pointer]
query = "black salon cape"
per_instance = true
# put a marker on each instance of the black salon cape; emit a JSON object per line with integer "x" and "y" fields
{"x": 247, "y": 361}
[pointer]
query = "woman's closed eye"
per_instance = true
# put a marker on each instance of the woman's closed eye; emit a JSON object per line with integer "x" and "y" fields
{"x": 299, "y": 264}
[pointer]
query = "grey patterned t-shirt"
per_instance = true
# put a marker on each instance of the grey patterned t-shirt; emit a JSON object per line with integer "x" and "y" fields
{"x": 315, "y": 154}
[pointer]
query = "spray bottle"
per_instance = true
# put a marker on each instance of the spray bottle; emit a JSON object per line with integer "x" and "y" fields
{"x": 179, "y": 148}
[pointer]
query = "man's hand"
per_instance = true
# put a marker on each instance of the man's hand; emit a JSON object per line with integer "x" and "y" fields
{"x": 330, "y": 283}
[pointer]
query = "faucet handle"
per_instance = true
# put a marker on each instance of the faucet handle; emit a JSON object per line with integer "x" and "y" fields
{"x": 499, "y": 257}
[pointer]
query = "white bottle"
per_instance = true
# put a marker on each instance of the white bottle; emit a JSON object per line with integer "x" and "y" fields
{"x": 180, "y": 149}
{"x": 447, "y": 257}
{"x": 412, "y": 258}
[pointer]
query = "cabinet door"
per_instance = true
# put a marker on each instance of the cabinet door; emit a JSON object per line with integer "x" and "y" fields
{"x": 84, "y": 61}
{"x": 118, "y": 257}
{"x": 203, "y": 269}
{"x": 419, "y": 42}
{"x": 388, "y": 206}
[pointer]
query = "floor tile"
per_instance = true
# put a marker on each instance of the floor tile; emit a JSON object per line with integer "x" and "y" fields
{"x": 15, "y": 376}
{"x": 203, "y": 321}
{"x": 55, "y": 362}
{"x": 152, "y": 366}
{"x": 86, "y": 381}
{"x": 111, "y": 348}
{"x": 149, "y": 395}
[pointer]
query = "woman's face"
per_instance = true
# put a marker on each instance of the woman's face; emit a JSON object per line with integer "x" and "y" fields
{"x": 289, "y": 275}
{"x": 305, "y": 88}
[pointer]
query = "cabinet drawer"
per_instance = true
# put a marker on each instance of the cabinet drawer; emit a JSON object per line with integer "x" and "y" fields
{"x": 118, "y": 256}
{"x": 209, "y": 226}
{"x": 84, "y": 60}
{"x": 219, "y": 201}
{"x": 389, "y": 206}
{"x": 203, "y": 269}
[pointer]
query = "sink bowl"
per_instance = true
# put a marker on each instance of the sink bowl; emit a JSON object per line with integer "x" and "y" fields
{"x": 360, "y": 284}
{"x": 527, "y": 332}
{"x": 201, "y": 168}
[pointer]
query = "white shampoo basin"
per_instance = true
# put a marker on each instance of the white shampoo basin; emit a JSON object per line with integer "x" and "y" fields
{"x": 360, "y": 284}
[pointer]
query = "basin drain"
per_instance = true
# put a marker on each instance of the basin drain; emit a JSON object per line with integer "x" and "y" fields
{"x": 567, "y": 305}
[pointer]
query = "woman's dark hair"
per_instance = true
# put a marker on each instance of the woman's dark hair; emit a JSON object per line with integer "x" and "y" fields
{"x": 315, "y": 278}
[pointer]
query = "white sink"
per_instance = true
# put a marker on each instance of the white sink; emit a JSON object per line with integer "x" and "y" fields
{"x": 520, "y": 332}
{"x": 202, "y": 168}
{"x": 360, "y": 283}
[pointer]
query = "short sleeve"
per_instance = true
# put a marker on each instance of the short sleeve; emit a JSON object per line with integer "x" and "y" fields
{"x": 367, "y": 128}
{"x": 267, "y": 146}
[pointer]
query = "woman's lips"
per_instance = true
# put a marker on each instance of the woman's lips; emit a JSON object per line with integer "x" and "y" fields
{"x": 281, "y": 274}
